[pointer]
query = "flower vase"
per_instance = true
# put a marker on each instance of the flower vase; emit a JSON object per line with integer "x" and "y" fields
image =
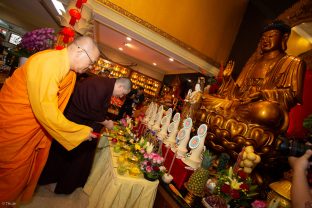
{"x": 149, "y": 177}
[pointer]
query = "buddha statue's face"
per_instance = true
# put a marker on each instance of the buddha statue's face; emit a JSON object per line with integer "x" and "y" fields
{"x": 271, "y": 40}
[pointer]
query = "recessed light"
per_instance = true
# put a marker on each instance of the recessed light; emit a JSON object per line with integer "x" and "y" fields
{"x": 128, "y": 45}
{"x": 120, "y": 48}
{"x": 171, "y": 59}
{"x": 129, "y": 39}
{"x": 154, "y": 64}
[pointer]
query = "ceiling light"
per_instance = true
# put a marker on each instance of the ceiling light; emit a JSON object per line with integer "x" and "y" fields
{"x": 120, "y": 48}
{"x": 154, "y": 64}
{"x": 129, "y": 39}
{"x": 171, "y": 59}
{"x": 128, "y": 45}
{"x": 58, "y": 6}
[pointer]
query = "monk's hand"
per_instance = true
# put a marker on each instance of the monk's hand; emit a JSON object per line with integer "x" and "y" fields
{"x": 91, "y": 136}
{"x": 109, "y": 124}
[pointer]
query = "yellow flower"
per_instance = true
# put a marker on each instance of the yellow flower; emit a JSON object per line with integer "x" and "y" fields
{"x": 149, "y": 148}
{"x": 235, "y": 184}
{"x": 137, "y": 147}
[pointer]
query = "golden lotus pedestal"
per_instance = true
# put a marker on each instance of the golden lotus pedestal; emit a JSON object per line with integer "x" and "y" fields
{"x": 230, "y": 135}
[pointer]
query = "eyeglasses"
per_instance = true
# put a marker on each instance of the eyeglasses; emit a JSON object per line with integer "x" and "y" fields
{"x": 92, "y": 62}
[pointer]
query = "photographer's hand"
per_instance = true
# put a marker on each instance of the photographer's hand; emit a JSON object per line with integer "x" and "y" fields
{"x": 300, "y": 191}
{"x": 300, "y": 163}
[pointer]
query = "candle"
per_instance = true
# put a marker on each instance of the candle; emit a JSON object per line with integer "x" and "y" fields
{"x": 175, "y": 153}
{"x": 166, "y": 153}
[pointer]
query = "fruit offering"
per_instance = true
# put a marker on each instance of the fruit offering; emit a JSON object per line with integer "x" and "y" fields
{"x": 134, "y": 171}
{"x": 121, "y": 169}
{"x": 117, "y": 148}
{"x": 114, "y": 141}
{"x": 248, "y": 159}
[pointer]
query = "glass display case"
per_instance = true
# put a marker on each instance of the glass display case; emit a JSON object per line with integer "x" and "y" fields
{"x": 150, "y": 85}
{"x": 113, "y": 70}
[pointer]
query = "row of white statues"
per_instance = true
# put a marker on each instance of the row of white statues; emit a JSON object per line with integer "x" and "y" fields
{"x": 158, "y": 120}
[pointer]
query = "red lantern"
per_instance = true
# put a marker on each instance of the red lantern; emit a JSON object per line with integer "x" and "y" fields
{"x": 68, "y": 34}
{"x": 68, "y": 31}
{"x": 59, "y": 47}
{"x": 80, "y": 2}
{"x": 75, "y": 15}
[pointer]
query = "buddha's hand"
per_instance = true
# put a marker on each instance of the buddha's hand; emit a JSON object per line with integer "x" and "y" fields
{"x": 228, "y": 69}
{"x": 252, "y": 98}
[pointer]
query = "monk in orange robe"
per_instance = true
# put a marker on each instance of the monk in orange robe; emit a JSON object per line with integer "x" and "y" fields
{"x": 32, "y": 102}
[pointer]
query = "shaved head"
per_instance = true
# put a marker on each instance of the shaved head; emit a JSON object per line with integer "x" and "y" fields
{"x": 87, "y": 43}
{"x": 83, "y": 53}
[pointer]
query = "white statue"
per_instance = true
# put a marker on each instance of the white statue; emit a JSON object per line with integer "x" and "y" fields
{"x": 165, "y": 121}
{"x": 173, "y": 130}
{"x": 183, "y": 137}
{"x": 197, "y": 147}
{"x": 148, "y": 113}
{"x": 160, "y": 112}
{"x": 153, "y": 116}
{"x": 196, "y": 94}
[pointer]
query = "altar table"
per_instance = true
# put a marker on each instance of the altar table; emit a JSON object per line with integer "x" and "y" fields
{"x": 107, "y": 189}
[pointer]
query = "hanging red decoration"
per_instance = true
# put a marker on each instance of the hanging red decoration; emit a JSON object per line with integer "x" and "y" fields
{"x": 75, "y": 15}
{"x": 59, "y": 47}
{"x": 68, "y": 33}
{"x": 80, "y": 2}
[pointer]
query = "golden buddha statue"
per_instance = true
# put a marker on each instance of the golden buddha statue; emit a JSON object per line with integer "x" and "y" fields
{"x": 253, "y": 110}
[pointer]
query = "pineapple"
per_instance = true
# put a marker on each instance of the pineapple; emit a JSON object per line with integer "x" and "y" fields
{"x": 196, "y": 183}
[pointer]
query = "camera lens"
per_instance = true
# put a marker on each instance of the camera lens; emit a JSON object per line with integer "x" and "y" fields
{"x": 293, "y": 148}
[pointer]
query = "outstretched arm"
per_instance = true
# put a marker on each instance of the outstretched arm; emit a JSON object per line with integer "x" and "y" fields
{"x": 300, "y": 191}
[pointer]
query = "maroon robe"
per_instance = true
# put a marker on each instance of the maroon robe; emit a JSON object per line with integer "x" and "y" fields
{"x": 88, "y": 105}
